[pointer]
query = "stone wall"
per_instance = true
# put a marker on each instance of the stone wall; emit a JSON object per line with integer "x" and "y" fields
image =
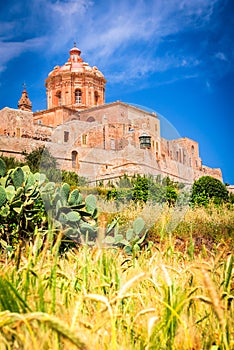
{"x": 16, "y": 123}
{"x": 103, "y": 142}
{"x": 13, "y": 147}
{"x": 54, "y": 116}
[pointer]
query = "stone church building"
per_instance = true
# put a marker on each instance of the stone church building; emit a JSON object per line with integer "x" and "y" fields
{"x": 97, "y": 140}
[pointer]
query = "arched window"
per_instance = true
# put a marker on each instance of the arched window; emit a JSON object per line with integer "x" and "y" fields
{"x": 75, "y": 163}
{"x": 96, "y": 98}
{"x": 78, "y": 97}
{"x": 59, "y": 98}
{"x": 90, "y": 119}
{"x": 192, "y": 150}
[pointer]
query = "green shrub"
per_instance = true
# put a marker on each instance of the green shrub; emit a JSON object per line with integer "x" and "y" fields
{"x": 9, "y": 163}
{"x": 73, "y": 179}
{"x": 208, "y": 188}
{"x": 40, "y": 158}
{"x": 231, "y": 198}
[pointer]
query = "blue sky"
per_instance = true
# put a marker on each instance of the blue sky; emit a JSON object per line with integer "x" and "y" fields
{"x": 172, "y": 56}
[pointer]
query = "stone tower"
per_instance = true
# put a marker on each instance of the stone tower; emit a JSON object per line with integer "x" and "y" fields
{"x": 24, "y": 103}
{"x": 75, "y": 84}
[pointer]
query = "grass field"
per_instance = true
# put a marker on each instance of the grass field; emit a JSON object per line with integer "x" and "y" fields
{"x": 175, "y": 293}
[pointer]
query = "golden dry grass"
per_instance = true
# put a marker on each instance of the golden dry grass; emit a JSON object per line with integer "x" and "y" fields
{"x": 92, "y": 298}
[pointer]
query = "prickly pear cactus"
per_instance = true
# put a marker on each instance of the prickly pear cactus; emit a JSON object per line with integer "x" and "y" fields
{"x": 91, "y": 203}
{"x": 21, "y": 207}
{"x": 131, "y": 240}
{"x": 77, "y": 218}
{"x": 138, "y": 226}
{"x": 30, "y": 181}
{"x": 75, "y": 198}
{"x": 73, "y": 216}
{"x": 17, "y": 177}
{"x": 10, "y": 192}
{"x": 64, "y": 192}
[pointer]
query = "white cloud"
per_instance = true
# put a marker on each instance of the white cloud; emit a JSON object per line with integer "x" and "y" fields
{"x": 9, "y": 50}
{"x": 152, "y": 21}
{"x": 123, "y": 36}
{"x": 208, "y": 86}
{"x": 221, "y": 56}
{"x": 140, "y": 67}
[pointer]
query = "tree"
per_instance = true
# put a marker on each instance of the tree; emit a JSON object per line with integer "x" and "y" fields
{"x": 208, "y": 188}
{"x": 40, "y": 159}
{"x": 171, "y": 195}
{"x": 140, "y": 189}
{"x": 11, "y": 162}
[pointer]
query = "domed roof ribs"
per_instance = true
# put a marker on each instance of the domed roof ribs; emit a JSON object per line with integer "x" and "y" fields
{"x": 75, "y": 84}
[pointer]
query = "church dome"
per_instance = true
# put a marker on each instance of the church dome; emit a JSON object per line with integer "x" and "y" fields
{"x": 75, "y": 84}
{"x": 75, "y": 63}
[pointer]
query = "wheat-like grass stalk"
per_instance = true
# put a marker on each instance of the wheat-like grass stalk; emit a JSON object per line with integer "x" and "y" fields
{"x": 214, "y": 298}
{"x": 8, "y": 318}
{"x": 102, "y": 299}
{"x": 130, "y": 283}
{"x": 144, "y": 312}
{"x": 217, "y": 306}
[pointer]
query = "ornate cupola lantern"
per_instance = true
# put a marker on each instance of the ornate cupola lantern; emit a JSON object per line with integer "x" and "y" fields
{"x": 24, "y": 103}
{"x": 145, "y": 141}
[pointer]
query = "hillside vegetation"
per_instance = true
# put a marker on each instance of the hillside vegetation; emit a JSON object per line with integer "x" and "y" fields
{"x": 91, "y": 272}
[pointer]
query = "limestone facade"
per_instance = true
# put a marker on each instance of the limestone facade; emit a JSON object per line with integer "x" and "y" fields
{"x": 97, "y": 140}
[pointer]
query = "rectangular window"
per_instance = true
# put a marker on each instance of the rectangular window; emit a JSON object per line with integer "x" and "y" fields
{"x": 59, "y": 98}
{"x": 84, "y": 139}
{"x": 112, "y": 144}
{"x": 17, "y": 132}
{"x": 66, "y": 136}
{"x": 78, "y": 97}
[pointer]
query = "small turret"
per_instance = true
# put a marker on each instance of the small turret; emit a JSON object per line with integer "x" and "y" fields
{"x": 75, "y": 54}
{"x": 24, "y": 103}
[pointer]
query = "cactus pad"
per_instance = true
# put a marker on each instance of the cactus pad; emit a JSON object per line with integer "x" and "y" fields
{"x": 17, "y": 177}
{"x": 2, "y": 196}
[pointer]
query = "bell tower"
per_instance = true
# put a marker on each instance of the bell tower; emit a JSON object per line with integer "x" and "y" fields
{"x": 24, "y": 103}
{"x": 75, "y": 84}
